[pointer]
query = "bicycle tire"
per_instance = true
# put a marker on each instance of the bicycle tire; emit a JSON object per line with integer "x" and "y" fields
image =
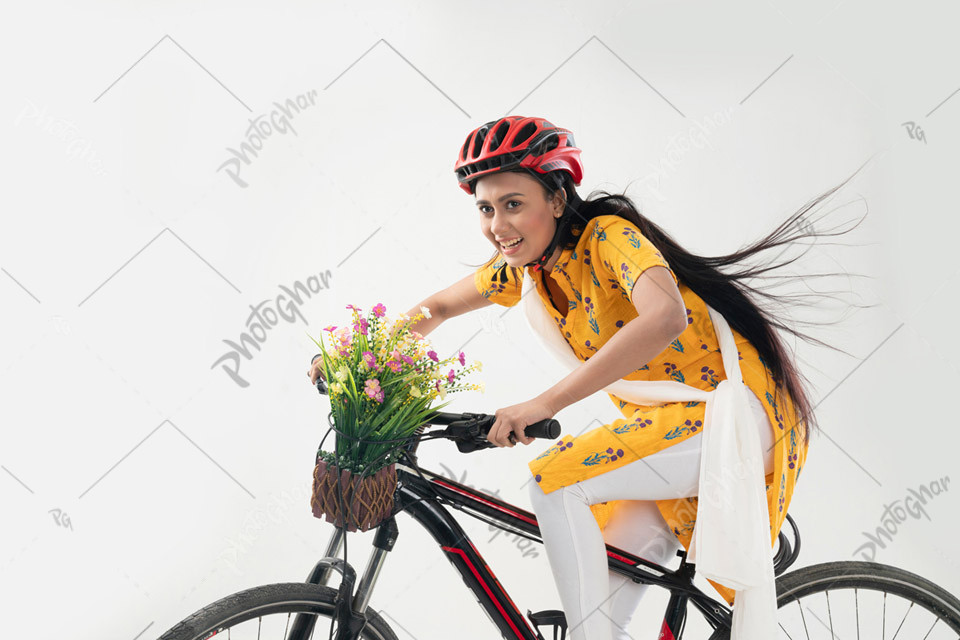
{"x": 864, "y": 576}
{"x": 295, "y": 597}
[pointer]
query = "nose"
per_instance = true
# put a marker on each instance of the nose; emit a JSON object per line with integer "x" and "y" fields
{"x": 498, "y": 225}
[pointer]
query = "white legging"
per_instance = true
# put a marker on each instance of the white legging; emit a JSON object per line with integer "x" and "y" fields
{"x": 597, "y": 602}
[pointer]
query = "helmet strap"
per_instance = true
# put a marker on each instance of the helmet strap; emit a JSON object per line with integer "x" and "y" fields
{"x": 542, "y": 260}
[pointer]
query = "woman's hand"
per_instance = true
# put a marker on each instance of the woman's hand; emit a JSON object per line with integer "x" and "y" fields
{"x": 316, "y": 369}
{"x": 511, "y": 421}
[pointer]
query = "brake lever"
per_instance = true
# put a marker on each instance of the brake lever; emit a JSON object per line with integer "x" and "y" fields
{"x": 466, "y": 433}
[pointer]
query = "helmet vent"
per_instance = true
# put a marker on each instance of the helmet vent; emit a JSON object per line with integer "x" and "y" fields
{"x": 478, "y": 141}
{"x": 524, "y": 134}
{"x": 499, "y": 135}
{"x": 549, "y": 144}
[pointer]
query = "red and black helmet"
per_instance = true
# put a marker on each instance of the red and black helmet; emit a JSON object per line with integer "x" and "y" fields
{"x": 516, "y": 141}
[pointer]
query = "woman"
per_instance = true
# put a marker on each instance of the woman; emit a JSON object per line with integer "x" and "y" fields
{"x": 621, "y": 292}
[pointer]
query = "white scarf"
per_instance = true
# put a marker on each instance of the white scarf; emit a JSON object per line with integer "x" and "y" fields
{"x": 731, "y": 537}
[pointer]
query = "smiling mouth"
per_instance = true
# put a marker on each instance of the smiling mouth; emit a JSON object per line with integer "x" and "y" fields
{"x": 513, "y": 245}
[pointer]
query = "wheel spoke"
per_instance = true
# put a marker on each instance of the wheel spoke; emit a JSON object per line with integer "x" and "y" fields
{"x": 905, "y": 614}
{"x": 789, "y": 637}
{"x": 931, "y": 628}
{"x": 856, "y": 608}
{"x": 829, "y": 615}
{"x": 804, "y": 618}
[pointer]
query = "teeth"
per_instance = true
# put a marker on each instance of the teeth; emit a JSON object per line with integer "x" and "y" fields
{"x": 512, "y": 243}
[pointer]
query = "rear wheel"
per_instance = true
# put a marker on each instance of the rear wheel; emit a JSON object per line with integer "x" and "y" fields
{"x": 862, "y": 600}
{"x": 274, "y": 612}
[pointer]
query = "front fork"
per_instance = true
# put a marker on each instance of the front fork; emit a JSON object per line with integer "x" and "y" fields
{"x": 350, "y": 611}
{"x": 677, "y": 605}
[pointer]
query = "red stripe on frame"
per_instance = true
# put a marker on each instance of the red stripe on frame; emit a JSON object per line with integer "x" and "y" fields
{"x": 665, "y": 633}
{"x": 487, "y": 589}
{"x": 620, "y": 557}
{"x": 487, "y": 502}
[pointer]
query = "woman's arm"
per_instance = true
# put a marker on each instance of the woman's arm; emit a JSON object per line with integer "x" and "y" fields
{"x": 661, "y": 317}
{"x": 458, "y": 298}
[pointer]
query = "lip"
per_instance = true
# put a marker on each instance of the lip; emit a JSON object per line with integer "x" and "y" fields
{"x": 510, "y": 251}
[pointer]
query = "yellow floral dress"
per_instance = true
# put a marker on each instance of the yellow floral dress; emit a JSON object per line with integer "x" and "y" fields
{"x": 597, "y": 278}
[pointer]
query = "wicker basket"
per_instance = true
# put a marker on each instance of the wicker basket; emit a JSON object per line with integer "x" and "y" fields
{"x": 368, "y": 499}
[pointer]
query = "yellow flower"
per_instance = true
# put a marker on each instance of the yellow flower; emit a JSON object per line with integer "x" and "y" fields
{"x": 336, "y": 387}
{"x": 482, "y": 387}
{"x": 479, "y": 365}
{"x": 342, "y": 374}
{"x": 415, "y": 392}
{"x": 443, "y": 392}
{"x": 426, "y": 311}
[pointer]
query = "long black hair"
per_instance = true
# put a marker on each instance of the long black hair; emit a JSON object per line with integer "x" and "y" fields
{"x": 719, "y": 280}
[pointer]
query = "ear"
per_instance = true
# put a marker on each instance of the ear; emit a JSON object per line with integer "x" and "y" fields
{"x": 558, "y": 203}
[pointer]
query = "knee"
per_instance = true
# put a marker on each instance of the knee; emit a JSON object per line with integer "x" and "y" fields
{"x": 538, "y": 498}
{"x": 536, "y": 493}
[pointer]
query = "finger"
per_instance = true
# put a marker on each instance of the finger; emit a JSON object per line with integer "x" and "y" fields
{"x": 492, "y": 433}
{"x": 502, "y": 435}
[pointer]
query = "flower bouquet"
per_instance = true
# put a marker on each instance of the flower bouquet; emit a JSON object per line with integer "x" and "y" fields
{"x": 382, "y": 380}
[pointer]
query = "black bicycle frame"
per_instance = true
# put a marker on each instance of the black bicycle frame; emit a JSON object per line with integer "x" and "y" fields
{"x": 418, "y": 497}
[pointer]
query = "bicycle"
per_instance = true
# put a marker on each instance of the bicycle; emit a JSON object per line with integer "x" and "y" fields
{"x": 423, "y": 495}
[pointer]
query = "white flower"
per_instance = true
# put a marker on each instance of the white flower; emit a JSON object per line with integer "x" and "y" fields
{"x": 342, "y": 374}
{"x": 479, "y": 365}
{"x": 336, "y": 387}
{"x": 443, "y": 392}
{"x": 415, "y": 392}
{"x": 426, "y": 311}
{"x": 483, "y": 387}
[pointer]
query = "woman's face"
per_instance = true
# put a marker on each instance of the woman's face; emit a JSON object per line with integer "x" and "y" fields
{"x": 511, "y": 206}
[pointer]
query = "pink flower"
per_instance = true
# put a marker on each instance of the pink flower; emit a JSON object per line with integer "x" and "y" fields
{"x": 394, "y": 366}
{"x": 406, "y": 359}
{"x": 437, "y": 384}
{"x": 379, "y": 310}
{"x": 355, "y": 309}
{"x": 361, "y": 326}
{"x": 369, "y": 359}
{"x": 462, "y": 359}
{"x": 395, "y": 354}
{"x": 344, "y": 336}
{"x": 330, "y": 328}
{"x": 433, "y": 355}
{"x": 450, "y": 376}
{"x": 372, "y": 389}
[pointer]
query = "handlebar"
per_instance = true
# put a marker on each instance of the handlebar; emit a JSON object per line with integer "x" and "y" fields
{"x": 469, "y": 430}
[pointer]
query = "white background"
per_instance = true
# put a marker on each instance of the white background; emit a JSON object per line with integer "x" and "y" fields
{"x": 128, "y": 257}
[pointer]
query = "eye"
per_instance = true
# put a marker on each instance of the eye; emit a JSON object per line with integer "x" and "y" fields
{"x": 483, "y": 207}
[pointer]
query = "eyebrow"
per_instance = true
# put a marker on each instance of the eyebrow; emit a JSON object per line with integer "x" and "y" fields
{"x": 501, "y": 199}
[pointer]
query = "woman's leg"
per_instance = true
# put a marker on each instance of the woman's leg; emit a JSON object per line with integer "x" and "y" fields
{"x": 574, "y": 544}
{"x": 635, "y": 526}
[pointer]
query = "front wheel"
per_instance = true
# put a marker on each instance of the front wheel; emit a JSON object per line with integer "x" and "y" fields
{"x": 271, "y": 612}
{"x": 862, "y": 600}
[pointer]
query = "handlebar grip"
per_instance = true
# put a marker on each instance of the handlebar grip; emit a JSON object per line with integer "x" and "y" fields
{"x": 548, "y": 428}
